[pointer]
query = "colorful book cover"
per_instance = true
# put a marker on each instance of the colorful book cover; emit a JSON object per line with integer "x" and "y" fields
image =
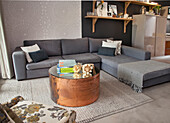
{"x": 65, "y": 70}
{"x": 65, "y": 75}
{"x": 67, "y": 63}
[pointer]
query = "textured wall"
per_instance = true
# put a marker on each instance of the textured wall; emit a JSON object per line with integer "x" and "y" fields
{"x": 40, "y": 20}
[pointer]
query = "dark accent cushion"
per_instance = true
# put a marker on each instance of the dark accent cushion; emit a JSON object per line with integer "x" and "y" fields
{"x": 95, "y": 44}
{"x": 52, "y": 47}
{"x": 106, "y": 51}
{"x": 39, "y": 55}
{"x": 74, "y": 46}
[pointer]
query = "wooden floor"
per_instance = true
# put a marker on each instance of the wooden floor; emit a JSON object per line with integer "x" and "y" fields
{"x": 165, "y": 59}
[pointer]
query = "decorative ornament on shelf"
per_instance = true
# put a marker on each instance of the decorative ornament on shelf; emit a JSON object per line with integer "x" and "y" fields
{"x": 143, "y": 10}
{"x": 120, "y": 15}
{"x": 100, "y": 4}
{"x": 157, "y": 10}
{"x": 102, "y": 8}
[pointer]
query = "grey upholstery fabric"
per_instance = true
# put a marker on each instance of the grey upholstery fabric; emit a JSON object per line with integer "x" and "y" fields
{"x": 52, "y": 47}
{"x": 135, "y": 73}
{"x": 109, "y": 69}
{"x": 113, "y": 61}
{"x": 77, "y": 49}
{"x": 136, "y": 53}
{"x": 37, "y": 73}
{"x": 19, "y": 62}
{"x": 156, "y": 80}
{"x": 74, "y": 46}
{"x": 44, "y": 64}
{"x": 97, "y": 65}
{"x": 95, "y": 43}
{"x": 83, "y": 58}
{"x": 155, "y": 74}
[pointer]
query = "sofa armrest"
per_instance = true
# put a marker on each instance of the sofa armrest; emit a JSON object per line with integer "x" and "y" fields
{"x": 19, "y": 62}
{"x": 136, "y": 53}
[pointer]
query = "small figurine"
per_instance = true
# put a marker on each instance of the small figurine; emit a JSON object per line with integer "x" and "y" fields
{"x": 76, "y": 75}
{"x": 77, "y": 68}
{"x": 87, "y": 68}
{"x": 86, "y": 75}
{"x": 120, "y": 15}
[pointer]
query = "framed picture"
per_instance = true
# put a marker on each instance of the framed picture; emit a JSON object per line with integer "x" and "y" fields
{"x": 114, "y": 9}
{"x": 168, "y": 10}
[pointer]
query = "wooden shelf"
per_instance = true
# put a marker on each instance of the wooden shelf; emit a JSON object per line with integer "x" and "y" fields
{"x": 144, "y": 3}
{"x": 151, "y": 5}
{"x": 95, "y": 18}
{"x": 113, "y": 18}
{"x": 126, "y": 21}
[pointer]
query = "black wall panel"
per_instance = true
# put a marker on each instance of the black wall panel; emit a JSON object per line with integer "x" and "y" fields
{"x": 110, "y": 28}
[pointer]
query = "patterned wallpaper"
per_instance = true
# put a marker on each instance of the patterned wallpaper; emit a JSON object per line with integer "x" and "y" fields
{"x": 27, "y": 20}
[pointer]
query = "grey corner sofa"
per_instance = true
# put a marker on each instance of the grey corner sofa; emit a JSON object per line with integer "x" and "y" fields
{"x": 83, "y": 50}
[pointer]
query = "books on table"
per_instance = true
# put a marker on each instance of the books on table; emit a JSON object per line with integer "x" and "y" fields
{"x": 66, "y": 74}
{"x": 67, "y": 63}
{"x": 65, "y": 67}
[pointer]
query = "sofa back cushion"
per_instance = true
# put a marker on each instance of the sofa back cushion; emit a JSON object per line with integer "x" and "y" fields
{"x": 74, "y": 46}
{"x": 95, "y": 44}
{"x": 52, "y": 47}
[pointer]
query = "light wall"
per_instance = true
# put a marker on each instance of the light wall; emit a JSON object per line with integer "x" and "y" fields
{"x": 27, "y": 20}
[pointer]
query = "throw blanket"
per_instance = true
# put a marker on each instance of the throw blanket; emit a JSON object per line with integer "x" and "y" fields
{"x": 133, "y": 73}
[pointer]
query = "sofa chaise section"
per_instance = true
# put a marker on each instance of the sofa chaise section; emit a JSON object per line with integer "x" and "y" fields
{"x": 110, "y": 64}
{"x": 129, "y": 54}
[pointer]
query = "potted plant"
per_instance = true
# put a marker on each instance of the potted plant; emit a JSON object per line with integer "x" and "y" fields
{"x": 157, "y": 10}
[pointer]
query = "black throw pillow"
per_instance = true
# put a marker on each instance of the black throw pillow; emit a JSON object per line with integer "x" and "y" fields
{"x": 106, "y": 51}
{"x": 38, "y": 56}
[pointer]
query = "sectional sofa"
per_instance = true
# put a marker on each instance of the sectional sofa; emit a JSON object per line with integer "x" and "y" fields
{"x": 83, "y": 50}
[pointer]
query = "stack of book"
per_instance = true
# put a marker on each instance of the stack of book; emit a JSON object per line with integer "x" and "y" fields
{"x": 65, "y": 67}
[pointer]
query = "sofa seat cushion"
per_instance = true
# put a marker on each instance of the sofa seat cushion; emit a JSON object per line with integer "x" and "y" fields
{"x": 115, "y": 60}
{"x": 44, "y": 64}
{"x": 83, "y": 58}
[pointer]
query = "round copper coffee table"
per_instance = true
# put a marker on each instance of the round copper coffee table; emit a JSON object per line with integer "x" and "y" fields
{"x": 71, "y": 92}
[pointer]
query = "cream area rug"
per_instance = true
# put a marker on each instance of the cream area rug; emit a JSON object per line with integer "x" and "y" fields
{"x": 114, "y": 96}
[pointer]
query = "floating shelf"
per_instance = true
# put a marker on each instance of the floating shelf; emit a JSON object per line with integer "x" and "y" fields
{"x": 151, "y": 5}
{"x": 143, "y": 3}
{"x": 95, "y": 18}
{"x": 126, "y": 21}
